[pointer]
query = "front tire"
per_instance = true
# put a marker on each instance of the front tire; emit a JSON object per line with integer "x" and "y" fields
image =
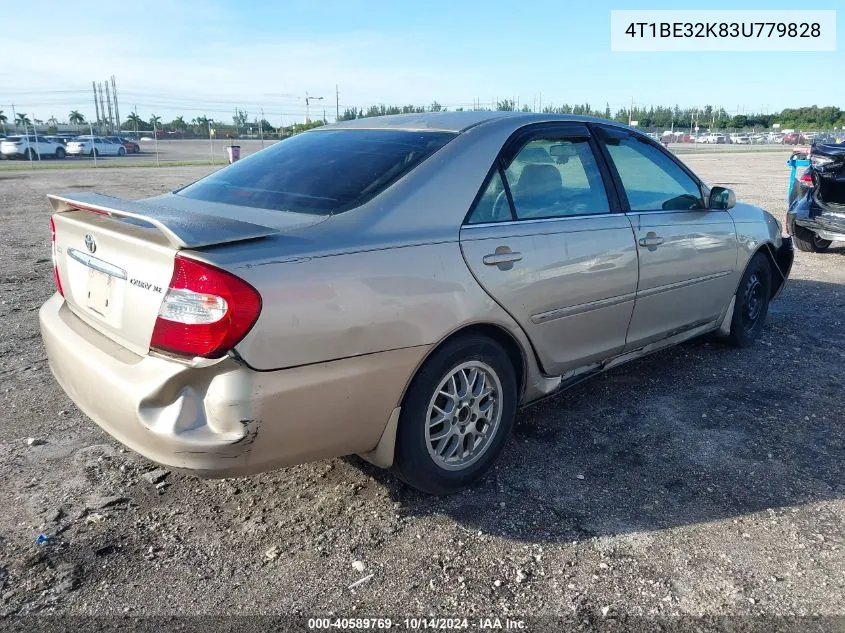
{"x": 121, "y": 151}
{"x": 457, "y": 416}
{"x": 60, "y": 153}
{"x": 808, "y": 241}
{"x": 752, "y": 302}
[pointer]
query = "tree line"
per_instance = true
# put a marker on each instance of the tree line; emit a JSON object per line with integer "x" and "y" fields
{"x": 659, "y": 117}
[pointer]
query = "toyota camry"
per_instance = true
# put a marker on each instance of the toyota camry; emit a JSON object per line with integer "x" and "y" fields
{"x": 395, "y": 288}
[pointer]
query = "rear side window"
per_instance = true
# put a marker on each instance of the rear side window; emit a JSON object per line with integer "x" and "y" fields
{"x": 322, "y": 172}
{"x": 551, "y": 177}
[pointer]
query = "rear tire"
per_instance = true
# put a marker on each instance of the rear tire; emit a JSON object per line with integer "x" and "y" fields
{"x": 457, "y": 416}
{"x": 60, "y": 153}
{"x": 121, "y": 151}
{"x": 29, "y": 154}
{"x": 807, "y": 241}
{"x": 752, "y": 302}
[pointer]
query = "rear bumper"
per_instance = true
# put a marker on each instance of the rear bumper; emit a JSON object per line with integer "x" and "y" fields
{"x": 224, "y": 419}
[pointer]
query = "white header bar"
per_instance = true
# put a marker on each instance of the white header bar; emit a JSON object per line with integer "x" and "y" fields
{"x": 722, "y": 30}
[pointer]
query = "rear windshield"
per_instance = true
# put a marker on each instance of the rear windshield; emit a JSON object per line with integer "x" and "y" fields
{"x": 322, "y": 172}
{"x": 13, "y": 139}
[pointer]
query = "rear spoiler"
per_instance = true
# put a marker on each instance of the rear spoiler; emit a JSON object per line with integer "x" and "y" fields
{"x": 183, "y": 229}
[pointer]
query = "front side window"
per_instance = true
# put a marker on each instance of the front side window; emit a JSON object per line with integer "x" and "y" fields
{"x": 322, "y": 172}
{"x": 652, "y": 180}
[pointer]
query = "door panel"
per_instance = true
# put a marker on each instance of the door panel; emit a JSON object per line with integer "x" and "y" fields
{"x": 687, "y": 278}
{"x": 687, "y": 253}
{"x": 570, "y": 282}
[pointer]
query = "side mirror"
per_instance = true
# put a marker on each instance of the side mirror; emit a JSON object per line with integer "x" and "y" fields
{"x": 722, "y": 198}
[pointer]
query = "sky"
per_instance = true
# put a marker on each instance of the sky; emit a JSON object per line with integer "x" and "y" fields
{"x": 208, "y": 57}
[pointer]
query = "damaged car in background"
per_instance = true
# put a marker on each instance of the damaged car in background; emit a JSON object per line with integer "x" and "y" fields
{"x": 816, "y": 216}
{"x": 393, "y": 287}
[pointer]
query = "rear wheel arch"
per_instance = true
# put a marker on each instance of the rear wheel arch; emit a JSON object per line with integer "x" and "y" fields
{"x": 496, "y": 333}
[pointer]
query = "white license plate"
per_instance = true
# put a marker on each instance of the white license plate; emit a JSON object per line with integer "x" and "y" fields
{"x": 100, "y": 287}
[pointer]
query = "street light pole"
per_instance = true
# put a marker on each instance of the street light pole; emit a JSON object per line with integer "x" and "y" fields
{"x": 308, "y": 101}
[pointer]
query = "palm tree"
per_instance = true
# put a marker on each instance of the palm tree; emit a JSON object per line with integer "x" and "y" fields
{"x": 75, "y": 118}
{"x": 203, "y": 123}
{"x": 178, "y": 123}
{"x": 136, "y": 120}
{"x": 154, "y": 121}
{"x": 3, "y": 119}
{"x": 23, "y": 120}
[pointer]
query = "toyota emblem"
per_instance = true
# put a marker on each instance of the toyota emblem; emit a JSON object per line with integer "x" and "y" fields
{"x": 90, "y": 243}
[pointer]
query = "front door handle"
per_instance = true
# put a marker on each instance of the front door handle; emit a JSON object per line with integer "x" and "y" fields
{"x": 504, "y": 258}
{"x": 651, "y": 241}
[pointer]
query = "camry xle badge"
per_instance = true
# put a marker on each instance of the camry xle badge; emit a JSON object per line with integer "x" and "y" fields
{"x": 90, "y": 243}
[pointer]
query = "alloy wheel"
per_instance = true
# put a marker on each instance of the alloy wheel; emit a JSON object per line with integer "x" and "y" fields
{"x": 463, "y": 415}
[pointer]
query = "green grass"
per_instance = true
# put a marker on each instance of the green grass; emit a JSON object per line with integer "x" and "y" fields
{"x": 36, "y": 165}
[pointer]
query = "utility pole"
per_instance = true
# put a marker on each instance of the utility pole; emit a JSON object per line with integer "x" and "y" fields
{"x": 541, "y": 102}
{"x": 116, "y": 111}
{"x": 96, "y": 105}
{"x": 336, "y": 104}
{"x": 14, "y": 118}
{"x": 110, "y": 124}
{"x": 261, "y": 128}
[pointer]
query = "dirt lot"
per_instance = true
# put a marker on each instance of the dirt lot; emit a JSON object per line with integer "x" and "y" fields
{"x": 704, "y": 480}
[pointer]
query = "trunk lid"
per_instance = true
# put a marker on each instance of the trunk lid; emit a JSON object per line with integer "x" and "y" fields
{"x": 115, "y": 257}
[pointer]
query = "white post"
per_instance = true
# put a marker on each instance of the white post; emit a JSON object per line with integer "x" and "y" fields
{"x": 261, "y": 128}
{"x": 155, "y": 138}
{"x": 28, "y": 144}
{"x": 93, "y": 144}
{"x": 211, "y": 142}
{"x": 35, "y": 135}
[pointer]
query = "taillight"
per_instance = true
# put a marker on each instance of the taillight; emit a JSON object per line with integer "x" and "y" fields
{"x": 807, "y": 178}
{"x": 205, "y": 312}
{"x": 55, "y": 258}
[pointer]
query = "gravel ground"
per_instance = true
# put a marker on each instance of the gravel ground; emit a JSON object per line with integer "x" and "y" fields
{"x": 700, "y": 481}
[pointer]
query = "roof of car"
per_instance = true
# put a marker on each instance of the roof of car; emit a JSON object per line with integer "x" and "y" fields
{"x": 456, "y": 121}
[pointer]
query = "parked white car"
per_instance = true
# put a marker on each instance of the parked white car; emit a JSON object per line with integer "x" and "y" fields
{"x": 86, "y": 146}
{"x": 31, "y": 146}
{"x": 741, "y": 139}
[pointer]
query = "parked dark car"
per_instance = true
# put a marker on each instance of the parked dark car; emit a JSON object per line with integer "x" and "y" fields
{"x": 130, "y": 145}
{"x": 816, "y": 215}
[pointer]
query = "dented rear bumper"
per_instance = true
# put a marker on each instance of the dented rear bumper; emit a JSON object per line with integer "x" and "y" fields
{"x": 224, "y": 419}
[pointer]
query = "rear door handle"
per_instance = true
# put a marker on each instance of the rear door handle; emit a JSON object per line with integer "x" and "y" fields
{"x": 651, "y": 241}
{"x": 494, "y": 259}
